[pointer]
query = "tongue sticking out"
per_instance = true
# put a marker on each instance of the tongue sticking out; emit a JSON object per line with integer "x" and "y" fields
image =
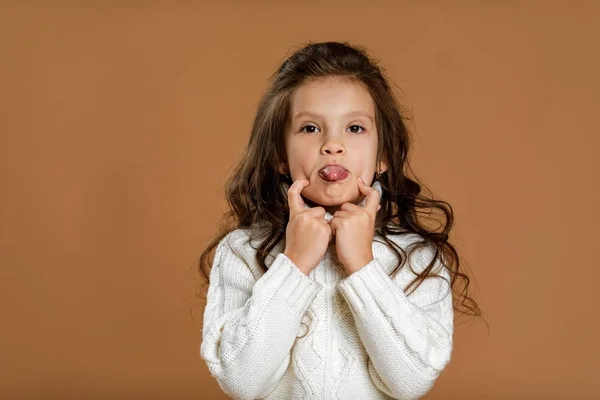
{"x": 333, "y": 173}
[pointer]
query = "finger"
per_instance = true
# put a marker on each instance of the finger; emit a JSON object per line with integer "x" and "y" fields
{"x": 324, "y": 221}
{"x": 333, "y": 224}
{"x": 342, "y": 214}
{"x": 351, "y": 207}
{"x": 373, "y": 197}
{"x": 315, "y": 211}
{"x": 295, "y": 201}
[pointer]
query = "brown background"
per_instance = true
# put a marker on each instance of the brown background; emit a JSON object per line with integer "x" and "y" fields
{"x": 120, "y": 121}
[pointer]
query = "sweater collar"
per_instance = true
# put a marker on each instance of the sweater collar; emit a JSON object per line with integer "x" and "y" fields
{"x": 328, "y": 216}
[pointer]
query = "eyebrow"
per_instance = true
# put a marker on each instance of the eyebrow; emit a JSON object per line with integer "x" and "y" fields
{"x": 349, "y": 114}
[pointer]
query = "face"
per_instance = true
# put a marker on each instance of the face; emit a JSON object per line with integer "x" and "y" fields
{"x": 332, "y": 121}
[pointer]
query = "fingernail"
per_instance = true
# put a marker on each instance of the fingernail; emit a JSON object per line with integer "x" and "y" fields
{"x": 361, "y": 180}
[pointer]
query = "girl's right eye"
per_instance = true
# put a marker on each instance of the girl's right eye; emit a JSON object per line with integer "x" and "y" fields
{"x": 308, "y": 126}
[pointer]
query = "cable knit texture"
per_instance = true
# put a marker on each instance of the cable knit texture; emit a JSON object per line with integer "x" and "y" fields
{"x": 282, "y": 334}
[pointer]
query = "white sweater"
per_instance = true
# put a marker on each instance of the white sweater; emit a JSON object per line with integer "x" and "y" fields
{"x": 366, "y": 339}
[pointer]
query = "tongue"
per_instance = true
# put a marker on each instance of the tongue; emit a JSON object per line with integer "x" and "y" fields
{"x": 332, "y": 173}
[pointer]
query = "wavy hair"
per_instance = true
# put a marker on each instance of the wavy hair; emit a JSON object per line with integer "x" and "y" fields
{"x": 253, "y": 189}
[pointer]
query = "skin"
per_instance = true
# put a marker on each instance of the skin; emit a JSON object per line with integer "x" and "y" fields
{"x": 331, "y": 121}
{"x": 308, "y": 233}
{"x": 320, "y": 132}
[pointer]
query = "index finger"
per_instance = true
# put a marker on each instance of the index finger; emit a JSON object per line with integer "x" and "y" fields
{"x": 372, "y": 198}
{"x": 295, "y": 201}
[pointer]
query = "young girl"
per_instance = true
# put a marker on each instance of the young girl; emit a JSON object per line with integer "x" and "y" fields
{"x": 309, "y": 291}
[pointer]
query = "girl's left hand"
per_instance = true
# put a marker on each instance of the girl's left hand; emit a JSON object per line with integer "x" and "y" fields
{"x": 354, "y": 228}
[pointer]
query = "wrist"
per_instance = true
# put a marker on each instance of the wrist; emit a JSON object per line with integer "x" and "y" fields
{"x": 301, "y": 267}
{"x": 355, "y": 266}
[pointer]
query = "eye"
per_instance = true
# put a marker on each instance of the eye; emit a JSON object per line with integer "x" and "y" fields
{"x": 358, "y": 126}
{"x": 308, "y": 126}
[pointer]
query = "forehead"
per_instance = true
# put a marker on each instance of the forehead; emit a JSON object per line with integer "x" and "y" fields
{"x": 331, "y": 97}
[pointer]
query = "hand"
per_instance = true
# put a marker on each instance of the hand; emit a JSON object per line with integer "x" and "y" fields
{"x": 354, "y": 228}
{"x": 308, "y": 232}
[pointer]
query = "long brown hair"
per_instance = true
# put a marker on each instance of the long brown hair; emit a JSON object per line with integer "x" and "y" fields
{"x": 253, "y": 188}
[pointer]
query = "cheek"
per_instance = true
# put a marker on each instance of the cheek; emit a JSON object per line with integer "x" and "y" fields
{"x": 370, "y": 158}
{"x": 302, "y": 158}
{"x": 362, "y": 161}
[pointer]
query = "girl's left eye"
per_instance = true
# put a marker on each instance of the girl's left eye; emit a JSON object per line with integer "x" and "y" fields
{"x": 358, "y": 126}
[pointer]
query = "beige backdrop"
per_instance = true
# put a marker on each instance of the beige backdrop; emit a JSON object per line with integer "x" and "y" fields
{"x": 120, "y": 121}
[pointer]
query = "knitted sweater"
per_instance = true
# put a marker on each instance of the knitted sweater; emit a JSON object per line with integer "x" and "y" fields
{"x": 282, "y": 334}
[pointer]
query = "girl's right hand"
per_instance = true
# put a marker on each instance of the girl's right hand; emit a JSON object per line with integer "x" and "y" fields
{"x": 308, "y": 232}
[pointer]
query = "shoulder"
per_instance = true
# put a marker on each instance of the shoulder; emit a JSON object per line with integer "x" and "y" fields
{"x": 236, "y": 238}
{"x": 242, "y": 244}
{"x": 244, "y": 239}
{"x": 418, "y": 252}
{"x": 238, "y": 242}
{"x": 231, "y": 260}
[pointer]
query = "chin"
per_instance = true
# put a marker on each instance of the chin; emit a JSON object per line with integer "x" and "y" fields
{"x": 329, "y": 202}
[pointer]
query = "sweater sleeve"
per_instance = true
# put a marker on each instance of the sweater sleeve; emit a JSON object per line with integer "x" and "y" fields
{"x": 408, "y": 338}
{"x": 249, "y": 324}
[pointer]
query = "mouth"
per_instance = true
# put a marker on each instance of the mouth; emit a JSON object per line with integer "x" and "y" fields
{"x": 333, "y": 173}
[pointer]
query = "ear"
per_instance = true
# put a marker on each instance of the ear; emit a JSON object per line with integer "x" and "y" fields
{"x": 382, "y": 166}
{"x": 282, "y": 168}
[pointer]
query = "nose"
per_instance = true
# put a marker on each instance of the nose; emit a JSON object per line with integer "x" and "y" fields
{"x": 333, "y": 147}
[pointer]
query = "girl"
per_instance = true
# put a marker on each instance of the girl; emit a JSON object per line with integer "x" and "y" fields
{"x": 309, "y": 291}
